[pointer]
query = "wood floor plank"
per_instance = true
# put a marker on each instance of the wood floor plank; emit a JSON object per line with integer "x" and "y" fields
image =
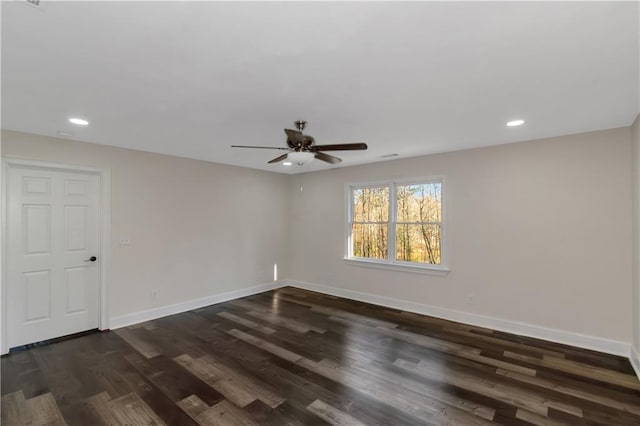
{"x": 246, "y": 322}
{"x": 131, "y": 410}
{"x": 260, "y": 391}
{"x": 455, "y": 349}
{"x": 291, "y": 324}
{"x": 504, "y": 343}
{"x": 332, "y": 415}
{"x": 153, "y": 398}
{"x": 170, "y": 379}
{"x": 217, "y": 379}
{"x": 362, "y": 319}
{"x": 274, "y": 349}
{"x": 203, "y": 371}
{"x": 14, "y": 410}
{"x": 580, "y": 369}
{"x": 530, "y": 401}
{"x": 99, "y": 405}
{"x": 598, "y": 398}
{"x": 234, "y": 384}
{"x": 249, "y": 305}
{"x": 21, "y": 372}
{"x": 44, "y": 410}
{"x": 537, "y": 419}
{"x": 145, "y": 348}
{"x": 224, "y": 414}
{"x": 193, "y": 406}
{"x": 474, "y": 384}
{"x": 567, "y": 408}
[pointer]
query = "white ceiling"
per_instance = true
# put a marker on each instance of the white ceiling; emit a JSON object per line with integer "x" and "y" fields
{"x": 190, "y": 79}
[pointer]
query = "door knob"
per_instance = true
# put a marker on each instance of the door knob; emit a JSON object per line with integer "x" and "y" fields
{"x": 91, "y": 259}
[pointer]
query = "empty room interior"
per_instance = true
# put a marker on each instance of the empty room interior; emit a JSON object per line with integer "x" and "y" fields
{"x": 312, "y": 213}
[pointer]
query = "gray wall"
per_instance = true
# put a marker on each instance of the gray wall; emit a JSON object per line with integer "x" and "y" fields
{"x": 197, "y": 228}
{"x": 539, "y": 233}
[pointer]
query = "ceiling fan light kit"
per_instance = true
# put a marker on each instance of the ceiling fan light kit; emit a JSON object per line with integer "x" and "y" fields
{"x": 301, "y": 158}
{"x": 303, "y": 149}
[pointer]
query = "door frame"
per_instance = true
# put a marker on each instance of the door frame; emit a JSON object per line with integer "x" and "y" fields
{"x": 104, "y": 233}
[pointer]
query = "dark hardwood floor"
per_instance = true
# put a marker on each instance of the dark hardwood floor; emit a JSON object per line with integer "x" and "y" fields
{"x": 297, "y": 357}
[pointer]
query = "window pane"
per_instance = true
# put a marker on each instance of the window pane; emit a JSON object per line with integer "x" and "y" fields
{"x": 418, "y": 243}
{"x": 369, "y": 240}
{"x": 370, "y": 204}
{"x": 419, "y": 202}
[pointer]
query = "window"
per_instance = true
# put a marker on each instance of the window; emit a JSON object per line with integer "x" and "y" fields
{"x": 397, "y": 223}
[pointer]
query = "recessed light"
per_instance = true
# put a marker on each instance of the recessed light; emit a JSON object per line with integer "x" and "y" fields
{"x": 79, "y": 121}
{"x": 515, "y": 123}
{"x": 287, "y": 163}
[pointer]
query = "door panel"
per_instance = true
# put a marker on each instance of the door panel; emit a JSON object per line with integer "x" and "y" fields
{"x": 36, "y": 229}
{"x": 34, "y": 185}
{"x": 37, "y": 287}
{"x": 75, "y": 222}
{"x": 53, "y": 221}
{"x": 76, "y": 294}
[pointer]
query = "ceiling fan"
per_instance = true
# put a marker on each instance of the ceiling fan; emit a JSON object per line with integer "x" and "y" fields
{"x": 302, "y": 148}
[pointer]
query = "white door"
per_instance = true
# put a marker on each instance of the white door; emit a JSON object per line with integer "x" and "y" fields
{"x": 53, "y": 232}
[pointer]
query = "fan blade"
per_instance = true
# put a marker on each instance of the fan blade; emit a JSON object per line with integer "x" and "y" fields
{"x": 328, "y": 158}
{"x": 339, "y": 147}
{"x": 294, "y": 136}
{"x": 275, "y": 160}
{"x": 259, "y": 147}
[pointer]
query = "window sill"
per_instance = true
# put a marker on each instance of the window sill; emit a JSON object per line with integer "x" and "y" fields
{"x": 429, "y": 270}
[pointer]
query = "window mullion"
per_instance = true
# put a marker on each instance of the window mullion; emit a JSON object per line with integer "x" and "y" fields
{"x": 391, "y": 227}
{"x": 350, "y": 210}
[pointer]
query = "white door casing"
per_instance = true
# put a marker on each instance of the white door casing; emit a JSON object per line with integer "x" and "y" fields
{"x": 53, "y": 226}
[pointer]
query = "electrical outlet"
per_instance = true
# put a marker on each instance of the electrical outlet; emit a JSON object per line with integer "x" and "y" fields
{"x": 124, "y": 240}
{"x": 470, "y": 298}
{"x": 154, "y": 293}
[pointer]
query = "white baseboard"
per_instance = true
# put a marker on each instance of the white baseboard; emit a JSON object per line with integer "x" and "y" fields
{"x": 163, "y": 311}
{"x": 559, "y": 336}
{"x": 634, "y": 358}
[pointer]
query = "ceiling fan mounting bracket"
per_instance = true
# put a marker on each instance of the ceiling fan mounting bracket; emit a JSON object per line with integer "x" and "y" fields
{"x": 300, "y": 124}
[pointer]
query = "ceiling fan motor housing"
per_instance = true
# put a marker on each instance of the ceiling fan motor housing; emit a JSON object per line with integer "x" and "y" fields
{"x": 306, "y": 143}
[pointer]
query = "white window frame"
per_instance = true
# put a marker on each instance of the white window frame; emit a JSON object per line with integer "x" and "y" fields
{"x": 391, "y": 262}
